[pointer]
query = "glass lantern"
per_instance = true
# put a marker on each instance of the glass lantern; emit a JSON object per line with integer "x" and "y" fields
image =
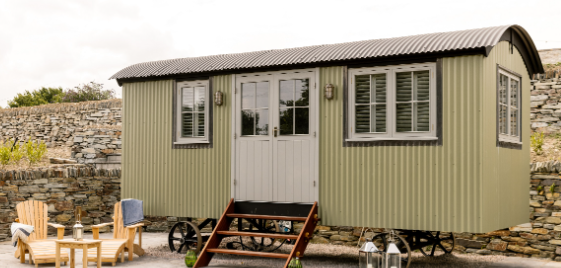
{"x": 392, "y": 257}
{"x": 369, "y": 255}
{"x": 78, "y": 231}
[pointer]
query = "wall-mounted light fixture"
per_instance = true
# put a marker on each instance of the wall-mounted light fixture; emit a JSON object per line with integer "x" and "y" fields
{"x": 218, "y": 98}
{"x": 329, "y": 91}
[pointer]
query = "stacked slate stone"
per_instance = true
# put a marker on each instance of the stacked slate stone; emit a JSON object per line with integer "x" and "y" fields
{"x": 55, "y": 124}
{"x": 94, "y": 145}
{"x": 62, "y": 189}
{"x": 545, "y": 105}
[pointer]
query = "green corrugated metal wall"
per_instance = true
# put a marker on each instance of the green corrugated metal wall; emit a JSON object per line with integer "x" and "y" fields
{"x": 420, "y": 187}
{"x": 460, "y": 186}
{"x": 506, "y": 186}
{"x": 182, "y": 182}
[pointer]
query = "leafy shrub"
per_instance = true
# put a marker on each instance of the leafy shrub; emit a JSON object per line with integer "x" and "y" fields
{"x": 88, "y": 92}
{"x": 537, "y": 142}
{"x": 17, "y": 152}
{"x": 5, "y": 154}
{"x": 37, "y": 97}
{"x": 34, "y": 151}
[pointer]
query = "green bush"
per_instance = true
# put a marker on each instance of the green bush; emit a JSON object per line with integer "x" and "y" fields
{"x": 5, "y": 154}
{"x": 34, "y": 151}
{"x": 37, "y": 97}
{"x": 536, "y": 142}
{"x": 17, "y": 152}
{"x": 91, "y": 91}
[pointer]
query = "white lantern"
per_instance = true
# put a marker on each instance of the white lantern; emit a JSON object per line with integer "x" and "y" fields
{"x": 392, "y": 257}
{"x": 369, "y": 255}
{"x": 78, "y": 231}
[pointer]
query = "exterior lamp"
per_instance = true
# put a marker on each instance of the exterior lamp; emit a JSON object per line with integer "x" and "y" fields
{"x": 329, "y": 91}
{"x": 218, "y": 96}
{"x": 78, "y": 229}
{"x": 369, "y": 255}
{"x": 392, "y": 257}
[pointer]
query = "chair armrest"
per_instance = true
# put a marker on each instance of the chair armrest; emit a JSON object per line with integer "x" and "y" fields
{"x": 102, "y": 225}
{"x": 95, "y": 229}
{"x": 59, "y": 230}
{"x": 55, "y": 225}
{"x": 135, "y": 225}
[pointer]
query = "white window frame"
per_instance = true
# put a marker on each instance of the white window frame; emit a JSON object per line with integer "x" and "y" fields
{"x": 507, "y": 137}
{"x": 191, "y": 140}
{"x": 391, "y": 133}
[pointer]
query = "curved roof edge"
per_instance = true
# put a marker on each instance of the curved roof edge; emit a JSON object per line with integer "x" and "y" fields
{"x": 465, "y": 42}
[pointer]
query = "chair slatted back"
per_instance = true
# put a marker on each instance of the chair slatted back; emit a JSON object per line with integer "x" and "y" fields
{"x": 34, "y": 213}
{"x": 119, "y": 230}
{"x": 118, "y": 227}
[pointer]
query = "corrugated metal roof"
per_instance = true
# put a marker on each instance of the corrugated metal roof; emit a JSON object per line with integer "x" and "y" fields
{"x": 483, "y": 38}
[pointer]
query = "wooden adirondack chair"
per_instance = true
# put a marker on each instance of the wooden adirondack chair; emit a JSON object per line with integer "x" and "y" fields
{"x": 123, "y": 239}
{"x": 40, "y": 249}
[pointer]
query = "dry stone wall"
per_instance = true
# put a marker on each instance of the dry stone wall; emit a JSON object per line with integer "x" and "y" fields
{"x": 545, "y": 105}
{"x": 96, "y": 190}
{"x": 55, "y": 124}
{"x": 95, "y": 145}
{"x": 61, "y": 188}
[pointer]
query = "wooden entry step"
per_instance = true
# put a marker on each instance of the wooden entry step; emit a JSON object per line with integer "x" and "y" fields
{"x": 249, "y": 253}
{"x": 265, "y": 217}
{"x": 307, "y": 213}
{"x": 267, "y": 235}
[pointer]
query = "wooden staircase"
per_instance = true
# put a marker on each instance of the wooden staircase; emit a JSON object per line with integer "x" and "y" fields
{"x": 248, "y": 210}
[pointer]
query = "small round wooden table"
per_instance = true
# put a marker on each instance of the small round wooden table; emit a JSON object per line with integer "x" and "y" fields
{"x": 72, "y": 245}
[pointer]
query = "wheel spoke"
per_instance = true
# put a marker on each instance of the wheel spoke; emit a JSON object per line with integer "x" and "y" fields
{"x": 181, "y": 231}
{"x": 180, "y": 248}
{"x": 442, "y": 247}
{"x": 175, "y": 239}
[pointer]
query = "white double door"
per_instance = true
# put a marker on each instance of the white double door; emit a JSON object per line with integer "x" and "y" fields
{"x": 275, "y": 137}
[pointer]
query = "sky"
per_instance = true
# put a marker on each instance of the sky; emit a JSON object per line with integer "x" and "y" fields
{"x": 67, "y": 43}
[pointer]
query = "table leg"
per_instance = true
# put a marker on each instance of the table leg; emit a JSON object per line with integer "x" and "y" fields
{"x": 85, "y": 261}
{"x": 57, "y": 254}
{"x": 99, "y": 255}
{"x": 72, "y": 258}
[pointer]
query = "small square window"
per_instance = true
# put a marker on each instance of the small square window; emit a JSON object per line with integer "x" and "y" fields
{"x": 192, "y": 112}
{"x": 508, "y": 107}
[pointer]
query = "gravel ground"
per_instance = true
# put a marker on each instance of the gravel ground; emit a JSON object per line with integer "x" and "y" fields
{"x": 330, "y": 256}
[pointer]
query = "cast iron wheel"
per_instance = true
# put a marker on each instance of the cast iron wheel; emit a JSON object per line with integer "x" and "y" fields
{"x": 185, "y": 236}
{"x": 381, "y": 241}
{"x": 444, "y": 241}
{"x": 262, "y": 244}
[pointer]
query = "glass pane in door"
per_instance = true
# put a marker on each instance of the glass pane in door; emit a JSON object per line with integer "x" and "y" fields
{"x": 248, "y": 122}
{"x": 255, "y": 108}
{"x": 286, "y": 121}
{"x": 262, "y": 122}
{"x": 294, "y": 106}
{"x": 302, "y": 91}
{"x": 301, "y": 121}
{"x": 286, "y": 93}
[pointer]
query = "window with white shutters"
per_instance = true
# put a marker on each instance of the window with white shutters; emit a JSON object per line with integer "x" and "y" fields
{"x": 508, "y": 114}
{"x": 392, "y": 103}
{"x": 192, "y": 103}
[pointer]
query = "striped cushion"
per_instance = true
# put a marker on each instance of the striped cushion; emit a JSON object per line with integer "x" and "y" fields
{"x": 20, "y": 231}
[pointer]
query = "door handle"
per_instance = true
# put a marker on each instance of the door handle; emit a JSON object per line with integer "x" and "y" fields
{"x": 275, "y": 129}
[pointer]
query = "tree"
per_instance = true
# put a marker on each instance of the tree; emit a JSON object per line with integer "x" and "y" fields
{"x": 37, "y": 97}
{"x": 88, "y": 92}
